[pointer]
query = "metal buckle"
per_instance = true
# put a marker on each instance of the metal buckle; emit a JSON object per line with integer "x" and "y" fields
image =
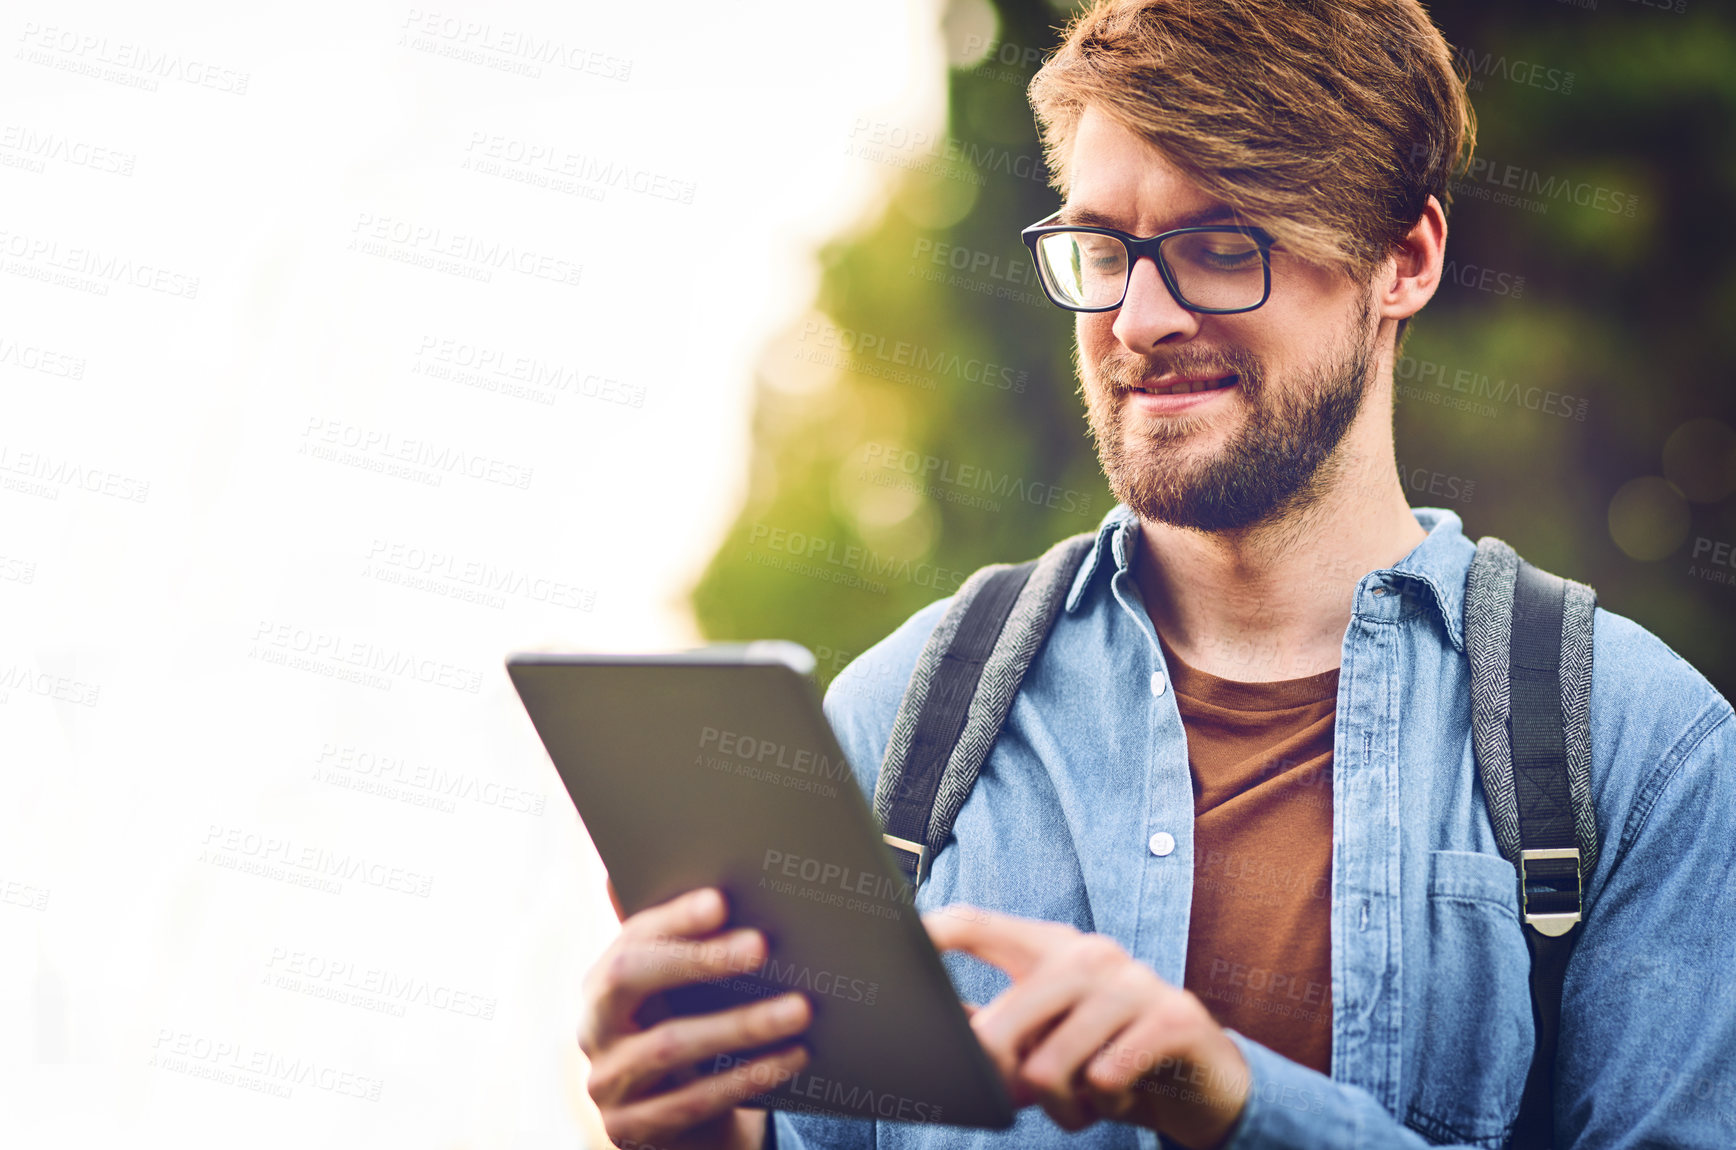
{"x": 918, "y": 849}
{"x": 1557, "y": 923}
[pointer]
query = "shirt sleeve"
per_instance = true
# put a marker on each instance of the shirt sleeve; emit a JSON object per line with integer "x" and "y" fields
{"x": 1291, "y": 1105}
{"x": 1647, "y": 1053}
{"x": 818, "y": 1132}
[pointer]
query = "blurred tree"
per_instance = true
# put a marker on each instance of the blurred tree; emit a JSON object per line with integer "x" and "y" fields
{"x": 1569, "y": 389}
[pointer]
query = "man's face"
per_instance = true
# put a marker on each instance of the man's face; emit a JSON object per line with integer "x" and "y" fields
{"x": 1259, "y": 449}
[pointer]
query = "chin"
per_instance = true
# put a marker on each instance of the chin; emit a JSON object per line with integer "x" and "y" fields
{"x": 1160, "y": 439}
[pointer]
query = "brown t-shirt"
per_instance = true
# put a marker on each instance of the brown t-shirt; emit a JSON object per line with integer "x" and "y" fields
{"x": 1259, "y": 952}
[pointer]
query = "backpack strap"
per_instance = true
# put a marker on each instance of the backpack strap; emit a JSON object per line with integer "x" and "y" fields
{"x": 959, "y": 695}
{"x": 1528, "y": 634}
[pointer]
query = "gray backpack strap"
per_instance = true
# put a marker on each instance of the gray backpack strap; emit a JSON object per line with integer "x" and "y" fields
{"x": 1528, "y": 634}
{"x": 959, "y": 695}
{"x": 1489, "y": 605}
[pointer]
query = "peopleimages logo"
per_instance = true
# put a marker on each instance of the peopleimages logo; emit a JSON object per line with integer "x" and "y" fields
{"x": 841, "y": 564}
{"x": 266, "y": 1071}
{"x": 1480, "y": 67}
{"x": 336, "y": 655}
{"x": 746, "y": 748}
{"x": 440, "y": 249}
{"x": 1503, "y": 183}
{"x": 30, "y": 357}
{"x": 304, "y": 864}
{"x": 31, "y": 680}
{"x": 377, "y": 450}
{"x": 870, "y": 354}
{"x": 135, "y": 65}
{"x": 859, "y": 1099}
{"x": 934, "y": 476}
{"x": 53, "y": 475}
{"x": 833, "y": 884}
{"x": 882, "y": 140}
{"x": 326, "y": 976}
{"x": 1484, "y": 279}
{"x": 35, "y": 149}
{"x": 411, "y": 565}
{"x": 89, "y": 269}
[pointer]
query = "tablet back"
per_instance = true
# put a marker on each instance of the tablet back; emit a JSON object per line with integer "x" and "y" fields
{"x": 689, "y": 771}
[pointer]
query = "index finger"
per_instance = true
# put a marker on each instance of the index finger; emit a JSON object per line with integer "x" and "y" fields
{"x": 1016, "y": 945}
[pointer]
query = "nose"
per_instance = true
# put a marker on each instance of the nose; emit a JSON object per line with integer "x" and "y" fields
{"x": 1150, "y": 315}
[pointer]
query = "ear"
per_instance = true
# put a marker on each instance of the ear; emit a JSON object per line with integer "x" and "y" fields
{"x": 1409, "y": 280}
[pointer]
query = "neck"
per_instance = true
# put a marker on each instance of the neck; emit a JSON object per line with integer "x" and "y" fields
{"x": 1272, "y": 601}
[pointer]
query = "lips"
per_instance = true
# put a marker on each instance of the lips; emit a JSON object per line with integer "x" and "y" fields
{"x": 1173, "y": 385}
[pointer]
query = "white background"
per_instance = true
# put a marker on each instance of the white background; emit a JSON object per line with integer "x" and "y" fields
{"x": 246, "y": 255}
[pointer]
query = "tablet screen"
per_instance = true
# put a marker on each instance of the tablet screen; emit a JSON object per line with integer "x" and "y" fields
{"x": 712, "y": 769}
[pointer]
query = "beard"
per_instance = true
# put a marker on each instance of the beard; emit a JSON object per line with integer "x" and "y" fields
{"x": 1277, "y": 463}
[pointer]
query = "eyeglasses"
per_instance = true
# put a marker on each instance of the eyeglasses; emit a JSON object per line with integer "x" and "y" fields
{"x": 1217, "y": 270}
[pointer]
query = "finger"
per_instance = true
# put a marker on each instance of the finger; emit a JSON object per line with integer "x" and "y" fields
{"x": 656, "y": 1119}
{"x": 638, "y": 966}
{"x": 1065, "y": 1100}
{"x": 1056, "y": 1068}
{"x": 1006, "y": 1048}
{"x": 1014, "y": 944}
{"x": 1022, "y": 1015}
{"x": 1134, "y": 1054}
{"x": 1180, "y": 1054}
{"x": 1144, "y": 1069}
{"x": 697, "y": 912}
{"x": 637, "y": 1063}
{"x": 1166, "y": 1025}
{"x": 1071, "y": 1111}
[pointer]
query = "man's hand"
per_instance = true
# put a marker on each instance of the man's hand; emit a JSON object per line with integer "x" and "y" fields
{"x": 644, "y": 1070}
{"x": 1089, "y": 1032}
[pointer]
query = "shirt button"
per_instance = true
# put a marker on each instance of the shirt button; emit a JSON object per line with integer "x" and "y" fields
{"x": 1162, "y": 843}
{"x": 1157, "y": 682}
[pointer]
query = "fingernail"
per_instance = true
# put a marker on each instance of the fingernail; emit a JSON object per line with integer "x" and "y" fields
{"x": 788, "y": 1009}
{"x": 705, "y": 902}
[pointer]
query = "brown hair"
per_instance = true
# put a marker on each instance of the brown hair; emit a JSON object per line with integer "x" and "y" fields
{"x": 1327, "y": 122}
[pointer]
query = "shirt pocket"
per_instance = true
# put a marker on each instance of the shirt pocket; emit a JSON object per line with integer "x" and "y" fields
{"x": 1474, "y": 1044}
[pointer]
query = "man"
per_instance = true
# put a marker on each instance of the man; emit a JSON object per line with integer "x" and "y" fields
{"x": 1240, "y": 885}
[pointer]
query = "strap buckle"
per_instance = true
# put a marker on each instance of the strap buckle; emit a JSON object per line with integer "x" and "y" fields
{"x": 1550, "y": 889}
{"x": 912, "y": 858}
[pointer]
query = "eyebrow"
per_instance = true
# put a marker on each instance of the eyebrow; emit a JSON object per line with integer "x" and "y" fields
{"x": 1091, "y": 217}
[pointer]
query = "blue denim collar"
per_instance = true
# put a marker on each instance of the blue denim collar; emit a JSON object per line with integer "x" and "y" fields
{"x": 1439, "y": 563}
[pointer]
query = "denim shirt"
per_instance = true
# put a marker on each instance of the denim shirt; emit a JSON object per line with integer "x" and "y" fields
{"x": 1431, "y": 1011}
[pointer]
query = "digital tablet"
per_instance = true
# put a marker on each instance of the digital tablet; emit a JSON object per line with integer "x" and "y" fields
{"x": 717, "y": 768}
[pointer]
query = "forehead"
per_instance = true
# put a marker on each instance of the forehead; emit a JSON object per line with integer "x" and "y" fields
{"x": 1120, "y": 180}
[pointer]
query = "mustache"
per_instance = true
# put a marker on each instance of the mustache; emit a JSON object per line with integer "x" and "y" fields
{"x": 1125, "y": 372}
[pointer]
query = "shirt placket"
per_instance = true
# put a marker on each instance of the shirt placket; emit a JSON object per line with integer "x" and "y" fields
{"x": 1366, "y": 933}
{"x": 1156, "y": 925}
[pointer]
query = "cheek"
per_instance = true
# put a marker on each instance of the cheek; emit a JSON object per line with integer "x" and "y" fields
{"x": 1093, "y": 331}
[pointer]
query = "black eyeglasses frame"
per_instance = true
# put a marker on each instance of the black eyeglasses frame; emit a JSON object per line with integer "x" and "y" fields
{"x": 1138, "y": 249}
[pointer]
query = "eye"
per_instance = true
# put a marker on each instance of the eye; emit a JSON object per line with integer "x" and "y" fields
{"x": 1228, "y": 251}
{"x": 1215, "y": 251}
{"x": 1232, "y": 257}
